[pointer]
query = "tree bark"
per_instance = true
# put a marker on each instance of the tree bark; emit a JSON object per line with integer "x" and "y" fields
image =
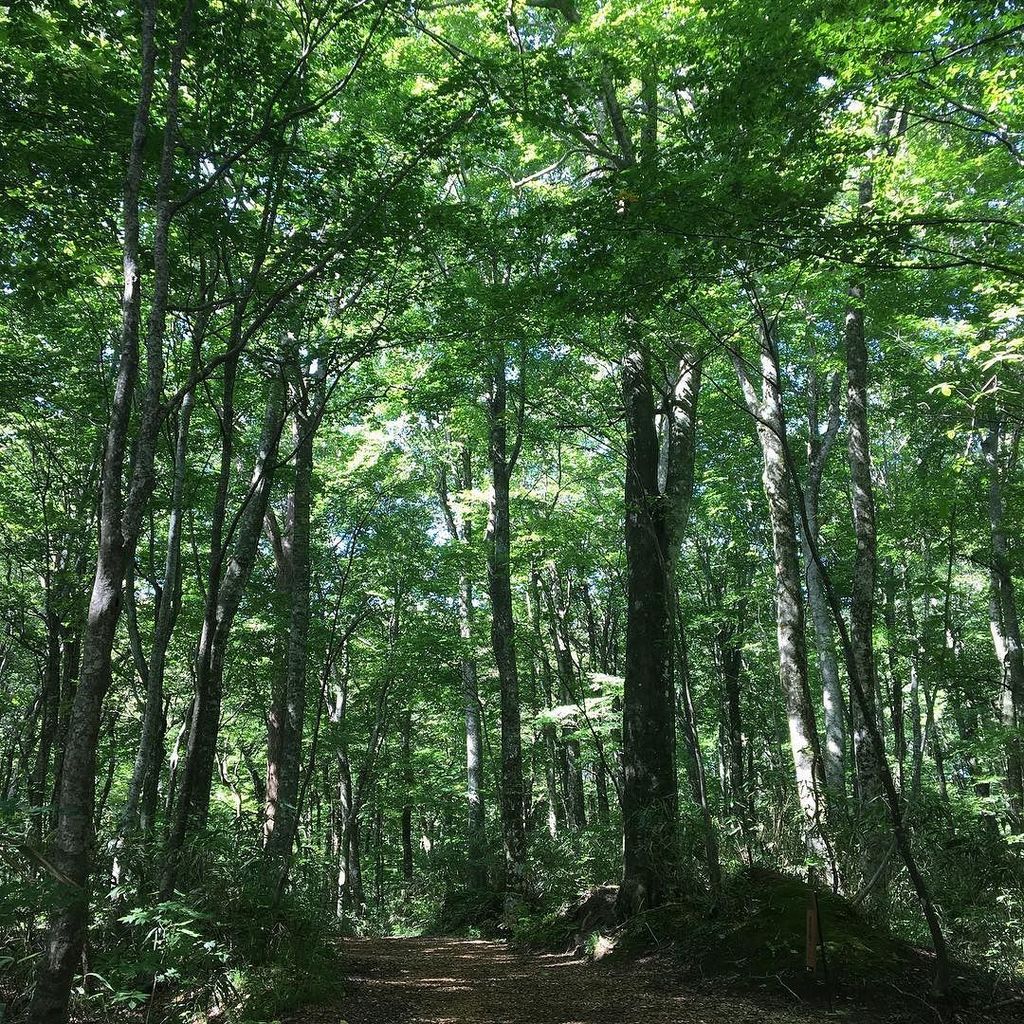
{"x": 650, "y": 797}
{"x": 407, "y": 779}
{"x": 120, "y": 521}
{"x": 571, "y": 761}
{"x": 282, "y": 815}
{"x": 1005, "y": 625}
{"x": 549, "y": 735}
{"x": 676, "y": 476}
{"x": 865, "y": 568}
{"x": 503, "y": 632}
{"x": 767, "y": 410}
{"x": 819, "y": 447}
{"x": 223, "y": 601}
{"x": 476, "y": 829}
{"x": 862, "y": 593}
{"x": 140, "y": 802}
{"x": 899, "y": 728}
{"x": 49, "y": 712}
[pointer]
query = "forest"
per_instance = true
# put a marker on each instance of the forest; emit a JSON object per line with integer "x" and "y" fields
{"x": 487, "y": 480}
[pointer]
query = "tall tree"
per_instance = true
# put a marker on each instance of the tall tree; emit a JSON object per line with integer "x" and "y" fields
{"x": 121, "y": 519}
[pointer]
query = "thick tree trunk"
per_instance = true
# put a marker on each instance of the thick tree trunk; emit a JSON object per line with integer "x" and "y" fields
{"x": 649, "y": 790}
{"x": 503, "y": 634}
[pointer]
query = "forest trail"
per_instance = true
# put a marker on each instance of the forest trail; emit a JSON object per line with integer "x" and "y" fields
{"x": 460, "y": 981}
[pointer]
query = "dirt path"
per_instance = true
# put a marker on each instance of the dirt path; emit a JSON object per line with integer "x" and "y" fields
{"x": 453, "y": 981}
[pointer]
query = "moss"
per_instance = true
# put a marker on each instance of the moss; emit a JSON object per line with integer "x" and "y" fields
{"x": 763, "y": 923}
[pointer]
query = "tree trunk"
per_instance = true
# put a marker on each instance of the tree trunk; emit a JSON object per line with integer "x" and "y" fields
{"x": 140, "y": 802}
{"x": 700, "y": 782}
{"x": 676, "y": 475}
{"x": 71, "y": 656}
{"x": 1005, "y": 625}
{"x": 892, "y": 799}
{"x": 899, "y": 724}
{"x": 569, "y": 748}
{"x": 120, "y": 521}
{"x": 730, "y": 658}
{"x": 862, "y": 594}
{"x": 408, "y": 781}
{"x": 819, "y": 447}
{"x": 49, "y": 712}
{"x": 649, "y": 790}
{"x": 223, "y": 601}
{"x": 767, "y": 411}
{"x": 503, "y": 634}
{"x": 548, "y": 732}
{"x": 282, "y": 817}
{"x": 476, "y": 829}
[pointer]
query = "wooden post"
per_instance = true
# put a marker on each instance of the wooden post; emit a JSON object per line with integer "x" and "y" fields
{"x": 812, "y": 933}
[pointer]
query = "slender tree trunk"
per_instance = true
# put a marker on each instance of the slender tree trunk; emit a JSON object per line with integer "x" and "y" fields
{"x": 283, "y": 823}
{"x": 892, "y": 799}
{"x": 832, "y": 691}
{"x": 601, "y": 791}
{"x": 899, "y": 724}
{"x": 193, "y": 799}
{"x": 476, "y": 828}
{"x": 862, "y": 595}
{"x": 731, "y": 664}
{"x": 549, "y": 735}
{"x": 149, "y": 757}
{"x": 503, "y": 634}
{"x": 475, "y": 814}
{"x": 407, "y": 807}
{"x": 378, "y": 847}
{"x": 120, "y": 521}
{"x": 345, "y": 815}
{"x": 71, "y": 655}
{"x": 355, "y": 868}
{"x": 917, "y": 655}
{"x": 49, "y": 699}
{"x": 1005, "y": 625}
{"x": 789, "y": 611}
{"x": 570, "y": 760}
{"x": 819, "y": 447}
{"x": 689, "y": 714}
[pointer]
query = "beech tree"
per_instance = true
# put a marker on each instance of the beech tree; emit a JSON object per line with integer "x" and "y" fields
{"x": 537, "y": 466}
